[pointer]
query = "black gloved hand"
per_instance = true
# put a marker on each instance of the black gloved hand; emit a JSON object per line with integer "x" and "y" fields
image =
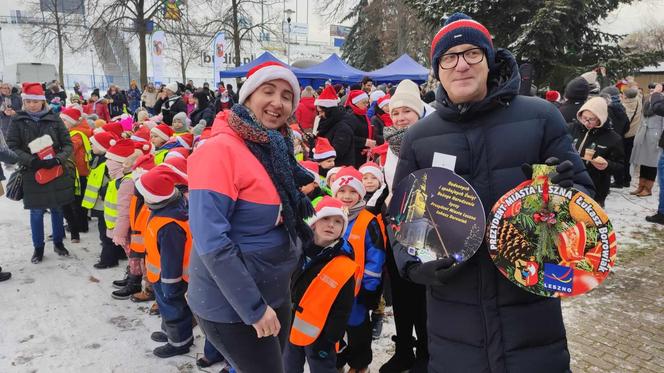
{"x": 50, "y": 163}
{"x": 36, "y": 163}
{"x": 322, "y": 347}
{"x": 564, "y": 175}
{"x": 369, "y": 298}
{"x": 433, "y": 272}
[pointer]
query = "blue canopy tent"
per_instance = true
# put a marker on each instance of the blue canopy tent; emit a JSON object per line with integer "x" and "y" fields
{"x": 402, "y": 68}
{"x": 333, "y": 68}
{"x": 242, "y": 70}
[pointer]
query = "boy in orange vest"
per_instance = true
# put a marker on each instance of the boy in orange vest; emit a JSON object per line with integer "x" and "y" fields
{"x": 167, "y": 244}
{"x": 364, "y": 235}
{"x": 323, "y": 289}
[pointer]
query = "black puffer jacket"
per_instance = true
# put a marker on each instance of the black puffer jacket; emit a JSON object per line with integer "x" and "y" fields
{"x": 608, "y": 145}
{"x": 169, "y": 107}
{"x": 360, "y": 128}
{"x": 478, "y": 320}
{"x": 22, "y": 131}
{"x": 337, "y": 130}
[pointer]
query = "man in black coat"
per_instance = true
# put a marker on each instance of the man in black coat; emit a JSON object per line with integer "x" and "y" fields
{"x": 335, "y": 127}
{"x": 169, "y": 103}
{"x": 576, "y": 93}
{"x": 478, "y": 321}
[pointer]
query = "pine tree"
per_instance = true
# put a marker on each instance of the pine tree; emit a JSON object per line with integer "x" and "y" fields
{"x": 560, "y": 38}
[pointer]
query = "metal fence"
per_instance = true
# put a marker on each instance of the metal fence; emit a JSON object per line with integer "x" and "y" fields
{"x": 103, "y": 82}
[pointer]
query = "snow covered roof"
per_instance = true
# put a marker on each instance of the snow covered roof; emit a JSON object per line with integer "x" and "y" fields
{"x": 653, "y": 69}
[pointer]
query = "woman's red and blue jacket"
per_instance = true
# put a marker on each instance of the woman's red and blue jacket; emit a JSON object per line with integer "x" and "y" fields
{"x": 242, "y": 258}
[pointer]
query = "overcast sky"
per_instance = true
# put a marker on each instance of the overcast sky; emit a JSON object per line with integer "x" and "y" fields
{"x": 629, "y": 18}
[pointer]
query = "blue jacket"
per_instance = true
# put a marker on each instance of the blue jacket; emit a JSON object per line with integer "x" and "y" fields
{"x": 242, "y": 258}
{"x": 171, "y": 238}
{"x": 478, "y": 321}
{"x": 374, "y": 258}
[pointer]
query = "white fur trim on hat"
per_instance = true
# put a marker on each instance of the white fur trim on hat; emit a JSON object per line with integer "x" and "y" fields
{"x": 330, "y": 172}
{"x": 360, "y": 97}
{"x": 67, "y": 118}
{"x": 326, "y": 212}
{"x": 265, "y": 74}
{"x": 323, "y": 156}
{"x": 352, "y": 182}
{"x": 374, "y": 171}
{"x": 33, "y": 97}
{"x": 149, "y": 197}
{"x": 94, "y": 141}
{"x": 384, "y": 102}
{"x": 326, "y": 102}
{"x": 159, "y": 133}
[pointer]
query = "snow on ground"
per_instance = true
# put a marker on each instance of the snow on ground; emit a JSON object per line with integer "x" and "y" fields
{"x": 58, "y": 316}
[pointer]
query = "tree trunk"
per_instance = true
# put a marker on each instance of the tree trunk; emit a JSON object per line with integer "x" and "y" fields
{"x": 183, "y": 64}
{"x": 236, "y": 39}
{"x": 142, "y": 44}
{"x": 61, "y": 63}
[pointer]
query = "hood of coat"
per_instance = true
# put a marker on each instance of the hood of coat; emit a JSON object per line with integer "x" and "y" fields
{"x": 503, "y": 84}
{"x": 334, "y": 115}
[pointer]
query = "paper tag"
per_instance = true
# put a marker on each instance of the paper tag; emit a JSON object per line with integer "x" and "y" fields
{"x": 444, "y": 161}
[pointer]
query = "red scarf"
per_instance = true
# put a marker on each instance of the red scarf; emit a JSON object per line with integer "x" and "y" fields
{"x": 387, "y": 119}
{"x": 362, "y": 113}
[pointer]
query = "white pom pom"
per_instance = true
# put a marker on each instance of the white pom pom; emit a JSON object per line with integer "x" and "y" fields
{"x": 112, "y": 142}
{"x": 146, "y": 147}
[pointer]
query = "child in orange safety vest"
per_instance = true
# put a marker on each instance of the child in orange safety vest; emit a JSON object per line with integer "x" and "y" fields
{"x": 323, "y": 289}
{"x": 364, "y": 235}
{"x": 168, "y": 245}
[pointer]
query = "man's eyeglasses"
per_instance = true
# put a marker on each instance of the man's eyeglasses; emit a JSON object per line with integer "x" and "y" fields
{"x": 472, "y": 56}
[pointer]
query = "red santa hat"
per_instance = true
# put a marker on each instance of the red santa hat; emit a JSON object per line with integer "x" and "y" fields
{"x": 349, "y": 176}
{"x": 178, "y": 165}
{"x": 142, "y": 134}
{"x": 552, "y": 96}
{"x": 144, "y": 146}
{"x": 186, "y": 140}
{"x": 158, "y": 184}
{"x": 323, "y": 149}
{"x": 120, "y": 150}
{"x": 163, "y": 131}
{"x": 327, "y": 98}
{"x": 70, "y": 115}
{"x": 144, "y": 162}
{"x": 333, "y": 171}
{"x": 385, "y": 100}
{"x": 356, "y": 95}
{"x": 33, "y": 91}
{"x": 113, "y": 127}
{"x": 296, "y": 130}
{"x": 327, "y": 207}
{"x": 103, "y": 140}
{"x": 313, "y": 169}
{"x": 374, "y": 169}
{"x": 177, "y": 152}
{"x": 266, "y": 72}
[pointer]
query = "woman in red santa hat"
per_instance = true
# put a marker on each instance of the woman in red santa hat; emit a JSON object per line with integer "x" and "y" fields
{"x": 43, "y": 145}
{"x": 246, "y": 214}
{"x": 363, "y": 131}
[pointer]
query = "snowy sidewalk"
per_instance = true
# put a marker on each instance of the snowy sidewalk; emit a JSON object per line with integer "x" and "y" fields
{"x": 58, "y": 316}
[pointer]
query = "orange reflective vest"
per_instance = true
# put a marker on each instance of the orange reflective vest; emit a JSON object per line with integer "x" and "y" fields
{"x": 138, "y": 220}
{"x": 381, "y": 225}
{"x": 317, "y": 300}
{"x": 152, "y": 255}
{"x": 356, "y": 239}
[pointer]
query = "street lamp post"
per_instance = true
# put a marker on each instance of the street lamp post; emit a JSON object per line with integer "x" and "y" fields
{"x": 92, "y": 63}
{"x": 128, "y": 69}
{"x": 288, "y": 13}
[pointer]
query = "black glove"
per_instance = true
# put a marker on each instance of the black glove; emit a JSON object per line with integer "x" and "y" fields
{"x": 435, "y": 272}
{"x": 322, "y": 347}
{"x": 564, "y": 175}
{"x": 369, "y": 298}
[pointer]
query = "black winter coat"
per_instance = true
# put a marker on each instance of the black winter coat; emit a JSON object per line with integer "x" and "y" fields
{"x": 576, "y": 94}
{"x": 116, "y": 107}
{"x": 337, "y": 320}
{"x": 618, "y": 118}
{"x": 22, "y": 131}
{"x": 608, "y": 145}
{"x": 205, "y": 113}
{"x": 478, "y": 320}
{"x": 360, "y": 135}
{"x": 340, "y": 134}
{"x": 169, "y": 108}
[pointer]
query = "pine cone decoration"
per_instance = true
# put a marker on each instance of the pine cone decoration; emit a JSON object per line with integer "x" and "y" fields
{"x": 512, "y": 244}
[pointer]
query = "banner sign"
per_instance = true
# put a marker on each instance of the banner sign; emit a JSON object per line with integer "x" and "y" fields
{"x": 219, "y": 48}
{"x": 158, "y": 47}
